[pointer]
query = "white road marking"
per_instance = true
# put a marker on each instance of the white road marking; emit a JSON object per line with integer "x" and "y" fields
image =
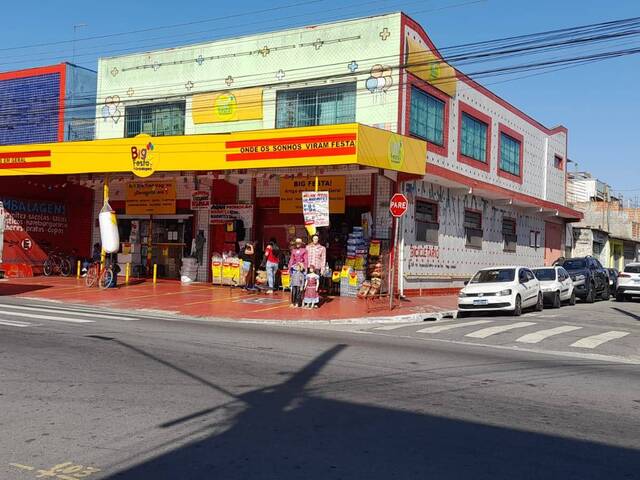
{"x": 596, "y": 340}
{"x": 81, "y": 313}
{"x": 540, "y": 335}
{"x": 450, "y": 326}
{"x": 47, "y": 317}
{"x": 487, "y": 332}
{"x": 9, "y": 323}
{"x": 395, "y": 326}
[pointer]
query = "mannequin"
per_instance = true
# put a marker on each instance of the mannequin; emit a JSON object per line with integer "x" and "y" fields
{"x": 317, "y": 254}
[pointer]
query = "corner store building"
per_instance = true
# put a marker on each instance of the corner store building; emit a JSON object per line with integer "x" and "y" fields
{"x": 494, "y": 188}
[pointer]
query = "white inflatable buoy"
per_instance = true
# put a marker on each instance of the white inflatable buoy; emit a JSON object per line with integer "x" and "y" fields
{"x": 109, "y": 236}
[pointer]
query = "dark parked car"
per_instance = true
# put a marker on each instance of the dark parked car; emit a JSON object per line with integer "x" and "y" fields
{"x": 613, "y": 280}
{"x": 590, "y": 278}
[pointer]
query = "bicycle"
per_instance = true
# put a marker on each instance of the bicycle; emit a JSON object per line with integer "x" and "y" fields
{"x": 56, "y": 263}
{"x": 98, "y": 275}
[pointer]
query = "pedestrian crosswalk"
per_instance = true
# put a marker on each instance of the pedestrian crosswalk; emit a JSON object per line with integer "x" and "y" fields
{"x": 22, "y": 316}
{"x": 533, "y": 333}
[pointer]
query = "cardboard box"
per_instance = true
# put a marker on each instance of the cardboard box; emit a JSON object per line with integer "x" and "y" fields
{"x": 129, "y": 258}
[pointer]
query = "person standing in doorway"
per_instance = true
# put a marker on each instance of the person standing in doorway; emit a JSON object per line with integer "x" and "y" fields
{"x": 248, "y": 259}
{"x": 272, "y": 259}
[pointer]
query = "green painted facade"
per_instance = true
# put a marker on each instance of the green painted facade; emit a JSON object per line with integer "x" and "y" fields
{"x": 361, "y": 51}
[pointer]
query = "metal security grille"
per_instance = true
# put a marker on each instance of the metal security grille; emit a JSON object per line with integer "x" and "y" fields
{"x": 155, "y": 119}
{"x": 426, "y": 218}
{"x": 473, "y": 228}
{"x": 309, "y": 107}
{"x": 509, "y": 234}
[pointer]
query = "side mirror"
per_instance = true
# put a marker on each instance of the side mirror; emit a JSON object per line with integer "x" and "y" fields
{"x": 466, "y": 282}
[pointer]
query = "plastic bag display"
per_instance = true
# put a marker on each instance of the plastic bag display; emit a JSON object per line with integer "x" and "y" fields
{"x": 109, "y": 236}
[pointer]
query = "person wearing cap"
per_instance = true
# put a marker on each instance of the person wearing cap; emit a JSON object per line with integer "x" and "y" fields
{"x": 298, "y": 255}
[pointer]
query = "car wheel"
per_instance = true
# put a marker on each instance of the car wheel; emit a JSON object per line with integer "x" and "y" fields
{"x": 462, "y": 314}
{"x": 590, "y": 298}
{"x": 572, "y": 300}
{"x": 540, "y": 303}
{"x": 605, "y": 293}
{"x": 556, "y": 300}
{"x": 620, "y": 297}
{"x": 517, "y": 310}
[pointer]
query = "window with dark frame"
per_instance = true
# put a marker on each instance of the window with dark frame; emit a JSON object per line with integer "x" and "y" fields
{"x": 558, "y": 162}
{"x": 157, "y": 119}
{"x": 473, "y": 138}
{"x": 427, "y": 117}
{"x": 509, "y": 234}
{"x": 426, "y": 219}
{"x": 473, "y": 228}
{"x": 326, "y": 105}
{"x": 510, "y": 154}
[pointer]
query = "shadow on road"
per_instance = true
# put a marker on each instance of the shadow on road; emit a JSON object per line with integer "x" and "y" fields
{"x": 8, "y": 289}
{"x": 628, "y": 314}
{"x": 285, "y": 432}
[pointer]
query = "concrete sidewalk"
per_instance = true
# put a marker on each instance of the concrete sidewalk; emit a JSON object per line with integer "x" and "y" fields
{"x": 219, "y": 302}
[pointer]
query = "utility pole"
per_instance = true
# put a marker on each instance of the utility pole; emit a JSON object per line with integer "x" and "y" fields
{"x": 75, "y": 29}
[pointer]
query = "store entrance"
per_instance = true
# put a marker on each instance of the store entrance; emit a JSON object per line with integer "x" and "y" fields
{"x": 162, "y": 240}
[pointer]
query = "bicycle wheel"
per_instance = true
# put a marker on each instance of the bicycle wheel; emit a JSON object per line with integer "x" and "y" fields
{"x": 106, "y": 278}
{"x": 47, "y": 267}
{"x": 93, "y": 272}
{"x": 65, "y": 267}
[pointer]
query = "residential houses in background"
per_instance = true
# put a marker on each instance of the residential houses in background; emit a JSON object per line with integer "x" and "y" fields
{"x": 608, "y": 231}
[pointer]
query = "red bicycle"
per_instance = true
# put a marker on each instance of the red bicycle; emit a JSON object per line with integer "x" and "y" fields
{"x": 96, "y": 274}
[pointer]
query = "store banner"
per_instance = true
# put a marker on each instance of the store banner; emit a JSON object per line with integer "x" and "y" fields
{"x": 200, "y": 200}
{"x": 291, "y": 190}
{"x": 151, "y": 198}
{"x": 227, "y": 106}
{"x": 225, "y": 213}
{"x": 315, "y": 208}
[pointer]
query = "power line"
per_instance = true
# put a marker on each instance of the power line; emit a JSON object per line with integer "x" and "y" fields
{"x": 470, "y": 58}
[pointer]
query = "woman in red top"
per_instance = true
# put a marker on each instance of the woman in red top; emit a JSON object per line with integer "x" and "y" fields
{"x": 272, "y": 259}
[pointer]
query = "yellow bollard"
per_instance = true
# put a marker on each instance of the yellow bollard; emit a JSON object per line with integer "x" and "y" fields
{"x": 126, "y": 273}
{"x": 78, "y": 270}
{"x": 212, "y": 278}
{"x": 155, "y": 273}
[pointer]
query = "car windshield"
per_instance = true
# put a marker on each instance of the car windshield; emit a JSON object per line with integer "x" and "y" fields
{"x": 543, "y": 274}
{"x": 632, "y": 269}
{"x": 575, "y": 264}
{"x": 494, "y": 276}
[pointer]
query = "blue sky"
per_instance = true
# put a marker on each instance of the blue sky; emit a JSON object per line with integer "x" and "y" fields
{"x": 598, "y": 102}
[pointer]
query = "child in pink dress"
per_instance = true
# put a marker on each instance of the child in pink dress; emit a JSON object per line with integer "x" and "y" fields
{"x": 311, "y": 285}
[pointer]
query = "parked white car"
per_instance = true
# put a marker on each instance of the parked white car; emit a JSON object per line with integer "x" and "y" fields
{"x": 500, "y": 289}
{"x": 628, "y": 282}
{"x": 556, "y": 285}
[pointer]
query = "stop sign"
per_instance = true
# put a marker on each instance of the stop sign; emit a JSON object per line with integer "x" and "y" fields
{"x": 398, "y": 205}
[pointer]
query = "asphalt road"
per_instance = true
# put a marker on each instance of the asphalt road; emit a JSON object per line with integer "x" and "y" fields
{"x": 119, "y": 396}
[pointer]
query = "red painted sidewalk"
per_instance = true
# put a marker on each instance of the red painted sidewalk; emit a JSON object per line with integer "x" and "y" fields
{"x": 204, "y": 300}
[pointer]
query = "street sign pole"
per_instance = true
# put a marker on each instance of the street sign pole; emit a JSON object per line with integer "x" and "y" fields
{"x": 392, "y": 262}
{"x": 398, "y": 207}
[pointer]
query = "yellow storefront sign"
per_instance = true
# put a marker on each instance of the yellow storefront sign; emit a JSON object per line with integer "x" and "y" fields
{"x": 151, "y": 198}
{"x": 348, "y": 144}
{"x": 227, "y": 106}
{"x": 291, "y": 192}
{"x": 424, "y": 64}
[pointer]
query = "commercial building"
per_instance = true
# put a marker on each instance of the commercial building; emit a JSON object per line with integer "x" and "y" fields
{"x": 44, "y": 105}
{"x": 368, "y": 106}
